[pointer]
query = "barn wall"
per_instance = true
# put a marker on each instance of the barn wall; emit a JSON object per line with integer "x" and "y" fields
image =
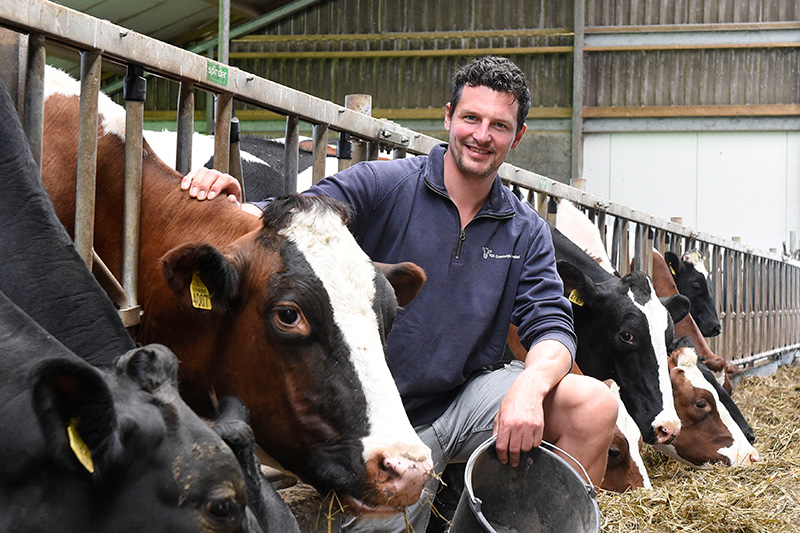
{"x": 731, "y": 184}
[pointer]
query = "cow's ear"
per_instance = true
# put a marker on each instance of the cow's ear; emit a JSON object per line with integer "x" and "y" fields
{"x": 149, "y": 367}
{"x": 76, "y": 412}
{"x": 677, "y": 306}
{"x": 406, "y": 279}
{"x": 577, "y": 286}
{"x": 673, "y": 262}
{"x": 202, "y": 277}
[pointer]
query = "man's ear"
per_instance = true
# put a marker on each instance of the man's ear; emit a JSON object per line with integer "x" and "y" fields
{"x": 519, "y": 135}
{"x": 447, "y": 117}
{"x": 202, "y": 277}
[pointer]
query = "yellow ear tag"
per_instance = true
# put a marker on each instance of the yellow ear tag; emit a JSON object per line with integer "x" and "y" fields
{"x": 575, "y": 298}
{"x": 201, "y": 298}
{"x": 79, "y": 448}
{"x": 672, "y": 270}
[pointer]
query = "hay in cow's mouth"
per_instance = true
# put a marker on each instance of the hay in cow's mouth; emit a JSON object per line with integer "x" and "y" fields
{"x": 764, "y": 497}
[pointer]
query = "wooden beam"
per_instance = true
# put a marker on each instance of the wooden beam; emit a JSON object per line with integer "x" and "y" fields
{"x": 523, "y": 50}
{"x": 401, "y": 36}
{"x": 691, "y": 111}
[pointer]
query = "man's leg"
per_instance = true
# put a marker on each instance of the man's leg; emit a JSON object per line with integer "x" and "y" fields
{"x": 579, "y": 417}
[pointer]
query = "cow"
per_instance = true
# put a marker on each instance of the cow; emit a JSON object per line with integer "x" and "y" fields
{"x": 708, "y": 432}
{"x": 91, "y": 450}
{"x": 623, "y": 332}
{"x": 577, "y": 227}
{"x": 285, "y": 312}
{"x": 625, "y": 469}
{"x": 665, "y": 286}
{"x": 44, "y": 276}
{"x": 691, "y": 278}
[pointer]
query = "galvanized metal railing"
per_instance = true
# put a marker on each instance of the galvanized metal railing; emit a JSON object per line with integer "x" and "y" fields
{"x": 758, "y": 294}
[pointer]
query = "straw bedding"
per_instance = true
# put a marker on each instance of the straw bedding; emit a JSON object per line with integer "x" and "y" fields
{"x": 764, "y": 497}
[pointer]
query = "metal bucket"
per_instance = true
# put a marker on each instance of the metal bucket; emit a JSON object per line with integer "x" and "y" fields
{"x": 543, "y": 494}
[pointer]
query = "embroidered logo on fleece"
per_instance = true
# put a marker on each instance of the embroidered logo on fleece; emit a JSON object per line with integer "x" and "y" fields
{"x": 489, "y": 254}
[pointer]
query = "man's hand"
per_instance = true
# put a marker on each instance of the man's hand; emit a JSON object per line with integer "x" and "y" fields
{"x": 207, "y": 183}
{"x": 519, "y": 424}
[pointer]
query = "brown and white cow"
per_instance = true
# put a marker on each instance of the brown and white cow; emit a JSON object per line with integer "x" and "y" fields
{"x": 708, "y": 432}
{"x": 625, "y": 469}
{"x": 286, "y": 312}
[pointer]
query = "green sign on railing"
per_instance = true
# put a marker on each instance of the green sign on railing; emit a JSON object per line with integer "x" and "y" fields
{"x": 217, "y": 73}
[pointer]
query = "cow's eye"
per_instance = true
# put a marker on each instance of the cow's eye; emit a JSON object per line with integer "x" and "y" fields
{"x": 627, "y": 337}
{"x": 288, "y": 316}
{"x": 700, "y": 404}
{"x": 223, "y": 511}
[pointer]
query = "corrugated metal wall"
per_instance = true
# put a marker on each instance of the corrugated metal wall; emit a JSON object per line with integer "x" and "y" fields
{"x": 659, "y": 12}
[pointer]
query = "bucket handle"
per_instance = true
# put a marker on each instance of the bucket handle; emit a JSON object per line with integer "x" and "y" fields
{"x": 589, "y": 485}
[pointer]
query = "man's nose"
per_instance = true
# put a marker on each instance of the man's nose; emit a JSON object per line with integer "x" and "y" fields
{"x": 481, "y": 133}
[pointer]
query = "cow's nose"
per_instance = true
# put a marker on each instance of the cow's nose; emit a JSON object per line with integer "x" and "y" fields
{"x": 401, "y": 479}
{"x": 715, "y": 330}
{"x": 666, "y": 434}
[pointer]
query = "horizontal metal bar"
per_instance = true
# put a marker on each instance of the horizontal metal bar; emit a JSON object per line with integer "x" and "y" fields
{"x": 766, "y": 355}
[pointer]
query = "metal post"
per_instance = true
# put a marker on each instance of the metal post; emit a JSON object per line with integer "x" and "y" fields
{"x": 185, "y": 127}
{"x": 134, "y": 93}
{"x": 224, "y": 30}
{"x": 234, "y": 157}
{"x": 291, "y": 154}
{"x": 33, "y": 115}
{"x": 552, "y": 210}
{"x": 222, "y": 131}
{"x": 320, "y": 152}
{"x": 363, "y": 104}
{"x": 91, "y": 64}
{"x": 344, "y": 150}
{"x": 577, "y": 91}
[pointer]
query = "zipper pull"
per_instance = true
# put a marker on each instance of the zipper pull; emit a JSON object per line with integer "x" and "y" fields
{"x": 462, "y": 236}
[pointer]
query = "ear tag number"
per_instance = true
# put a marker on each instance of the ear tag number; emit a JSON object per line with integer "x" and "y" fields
{"x": 575, "y": 298}
{"x": 201, "y": 298}
{"x": 79, "y": 448}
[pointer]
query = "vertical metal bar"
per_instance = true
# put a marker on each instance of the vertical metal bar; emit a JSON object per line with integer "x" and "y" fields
{"x": 399, "y": 152}
{"x": 728, "y": 326}
{"x": 134, "y": 93}
{"x": 33, "y": 115}
{"x": 758, "y": 307}
{"x": 716, "y": 288}
{"x": 222, "y": 131}
{"x": 223, "y": 33}
{"x": 639, "y": 244}
{"x": 648, "y": 251}
{"x": 601, "y": 226}
{"x": 577, "y": 91}
{"x": 320, "y": 152}
{"x": 234, "y": 156}
{"x": 372, "y": 151}
{"x": 363, "y": 104}
{"x": 91, "y": 65}
{"x": 185, "y": 127}
{"x": 552, "y": 210}
{"x": 291, "y": 154}
{"x": 624, "y": 249}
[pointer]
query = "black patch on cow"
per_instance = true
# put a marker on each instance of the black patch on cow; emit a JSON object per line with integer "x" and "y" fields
{"x": 640, "y": 287}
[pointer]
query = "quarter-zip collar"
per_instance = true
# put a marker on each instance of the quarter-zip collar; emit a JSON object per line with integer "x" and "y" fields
{"x": 497, "y": 204}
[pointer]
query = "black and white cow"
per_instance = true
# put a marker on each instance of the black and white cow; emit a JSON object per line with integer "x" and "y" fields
{"x": 691, "y": 277}
{"x": 623, "y": 332}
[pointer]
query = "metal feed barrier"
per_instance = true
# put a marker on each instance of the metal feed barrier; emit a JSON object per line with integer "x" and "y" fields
{"x": 757, "y": 293}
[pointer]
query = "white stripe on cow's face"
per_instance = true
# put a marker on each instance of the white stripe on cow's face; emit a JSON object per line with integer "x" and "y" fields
{"x": 657, "y": 322}
{"x": 740, "y": 451}
{"x": 632, "y": 434}
{"x": 112, "y": 115}
{"x": 348, "y": 274}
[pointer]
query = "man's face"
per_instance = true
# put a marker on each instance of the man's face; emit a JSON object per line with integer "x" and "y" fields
{"x": 483, "y": 128}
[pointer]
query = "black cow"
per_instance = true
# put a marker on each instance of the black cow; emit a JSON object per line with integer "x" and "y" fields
{"x": 691, "y": 278}
{"x": 89, "y": 450}
{"x": 623, "y": 333}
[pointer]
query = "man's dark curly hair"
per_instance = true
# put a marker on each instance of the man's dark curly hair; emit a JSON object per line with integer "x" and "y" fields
{"x": 498, "y": 73}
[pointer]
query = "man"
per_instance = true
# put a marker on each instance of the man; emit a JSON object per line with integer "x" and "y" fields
{"x": 490, "y": 262}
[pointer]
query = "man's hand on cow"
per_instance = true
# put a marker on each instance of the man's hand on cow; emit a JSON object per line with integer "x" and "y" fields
{"x": 207, "y": 183}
